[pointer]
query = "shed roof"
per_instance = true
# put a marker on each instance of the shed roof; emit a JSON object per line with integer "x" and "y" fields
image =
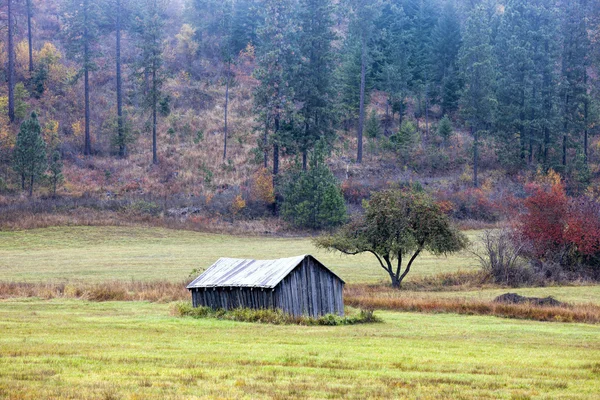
{"x": 233, "y": 272}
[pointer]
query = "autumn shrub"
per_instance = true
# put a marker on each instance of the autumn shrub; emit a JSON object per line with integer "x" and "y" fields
{"x": 471, "y": 203}
{"x": 561, "y": 230}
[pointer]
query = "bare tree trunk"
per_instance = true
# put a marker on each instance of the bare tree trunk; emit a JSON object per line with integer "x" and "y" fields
{"x": 276, "y": 149}
{"x": 586, "y": 106}
{"x": 265, "y": 142}
{"x": 86, "y": 60}
{"x": 361, "y": 117}
{"x": 427, "y": 111}
{"x": 154, "y": 116}
{"x": 225, "y": 130}
{"x": 120, "y": 122}
{"x": 475, "y": 134}
{"x": 30, "y": 36}
{"x": 31, "y": 180}
{"x": 11, "y": 64}
{"x": 565, "y": 132}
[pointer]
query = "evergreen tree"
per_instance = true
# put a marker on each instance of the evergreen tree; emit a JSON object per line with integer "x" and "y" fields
{"x": 445, "y": 129}
{"x": 313, "y": 198}
{"x": 29, "y": 158}
{"x": 373, "y": 126}
{"x": 574, "y": 79}
{"x": 81, "y": 30}
{"x": 363, "y": 13}
{"x": 394, "y": 74}
{"x": 56, "y": 175}
{"x": 526, "y": 61}
{"x": 423, "y": 15}
{"x": 11, "y": 59}
{"x": 150, "y": 31}
{"x": 276, "y": 65}
{"x": 313, "y": 83}
{"x": 478, "y": 101}
{"x": 446, "y": 43}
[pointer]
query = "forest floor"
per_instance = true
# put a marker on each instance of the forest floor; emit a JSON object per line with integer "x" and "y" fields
{"x": 74, "y": 348}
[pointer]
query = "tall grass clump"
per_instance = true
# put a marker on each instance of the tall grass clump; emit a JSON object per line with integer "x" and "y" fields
{"x": 272, "y": 316}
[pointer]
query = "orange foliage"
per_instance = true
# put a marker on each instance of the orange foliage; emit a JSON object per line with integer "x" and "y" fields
{"x": 262, "y": 186}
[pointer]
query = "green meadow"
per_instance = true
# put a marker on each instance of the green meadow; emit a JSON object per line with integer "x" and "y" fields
{"x": 75, "y": 349}
{"x": 80, "y": 350}
{"x": 101, "y": 253}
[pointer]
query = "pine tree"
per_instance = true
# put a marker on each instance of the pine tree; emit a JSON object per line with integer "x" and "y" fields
{"x": 526, "y": 61}
{"x": 445, "y": 129}
{"x": 363, "y": 13}
{"x": 373, "y": 126}
{"x": 29, "y": 9}
{"x": 118, "y": 16}
{"x": 446, "y": 43}
{"x": 11, "y": 60}
{"x": 478, "y": 101}
{"x": 574, "y": 79}
{"x": 423, "y": 15}
{"x": 149, "y": 30}
{"x": 56, "y": 175}
{"x": 29, "y": 158}
{"x": 313, "y": 82}
{"x": 81, "y": 30}
{"x": 276, "y": 63}
{"x": 393, "y": 73}
{"x": 313, "y": 198}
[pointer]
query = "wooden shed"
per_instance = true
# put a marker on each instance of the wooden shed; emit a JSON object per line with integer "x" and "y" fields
{"x": 298, "y": 286}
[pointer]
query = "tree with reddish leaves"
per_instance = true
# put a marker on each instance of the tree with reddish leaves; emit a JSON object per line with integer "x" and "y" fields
{"x": 543, "y": 223}
{"x": 554, "y": 224}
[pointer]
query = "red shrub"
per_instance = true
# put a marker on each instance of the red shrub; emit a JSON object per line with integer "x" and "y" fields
{"x": 543, "y": 223}
{"x": 583, "y": 226}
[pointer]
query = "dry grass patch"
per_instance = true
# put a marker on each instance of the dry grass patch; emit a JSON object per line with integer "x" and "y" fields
{"x": 381, "y": 298}
{"x": 158, "y": 291}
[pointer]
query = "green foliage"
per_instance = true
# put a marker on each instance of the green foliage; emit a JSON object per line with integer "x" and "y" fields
{"x": 272, "y": 316}
{"x": 397, "y": 225}
{"x": 445, "y": 129}
{"x": 29, "y": 157}
{"x": 164, "y": 106}
{"x": 21, "y": 106}
{"x": 55, "y": 171}
{"x": 373, "y": 126}
{"x": 313, "y": 198}
{"x": 406, "y": 138}
{"x": 142, "y": 207}
{"x": 40, "y": 77}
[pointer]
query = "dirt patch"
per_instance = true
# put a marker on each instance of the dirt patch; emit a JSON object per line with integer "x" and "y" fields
{"x": 513, "y": 298}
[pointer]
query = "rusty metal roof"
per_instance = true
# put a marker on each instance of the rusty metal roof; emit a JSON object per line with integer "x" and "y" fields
{"x": 232, "y": 272}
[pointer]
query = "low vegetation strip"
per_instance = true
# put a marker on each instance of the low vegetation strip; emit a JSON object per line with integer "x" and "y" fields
{"x": 370, "y": 297}
{"x": 276, "y": 317}
{"x": 158, "y": 291}
{"x": 585, "y": 313}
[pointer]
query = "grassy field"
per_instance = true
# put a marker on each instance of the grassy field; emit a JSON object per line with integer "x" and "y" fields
{"x": 75, "y": 349}
{"x": 102, "y": 253}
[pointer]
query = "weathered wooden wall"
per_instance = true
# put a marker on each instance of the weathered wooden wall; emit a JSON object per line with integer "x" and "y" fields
{"x": 308, "y": 290}
{"x": 232, "y": 298}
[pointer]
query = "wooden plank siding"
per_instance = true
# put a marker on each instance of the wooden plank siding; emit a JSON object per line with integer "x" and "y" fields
{"x": 309, "y": 289}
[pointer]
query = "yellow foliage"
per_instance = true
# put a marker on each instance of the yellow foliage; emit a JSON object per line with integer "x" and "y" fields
{"x": 238, "y": 204}
{"x": 22, "y": 56}
{"x": 186, "y": 45}
{"x": 262, "y": 188}
{"x": 551, "y": 178}
{"x": 49, "y": 54}
{"x": 51, "y": 133}
{"x": 77, "y": 129}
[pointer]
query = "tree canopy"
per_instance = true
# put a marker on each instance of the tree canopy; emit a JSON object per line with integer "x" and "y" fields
{"x": 397, "y": 226}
